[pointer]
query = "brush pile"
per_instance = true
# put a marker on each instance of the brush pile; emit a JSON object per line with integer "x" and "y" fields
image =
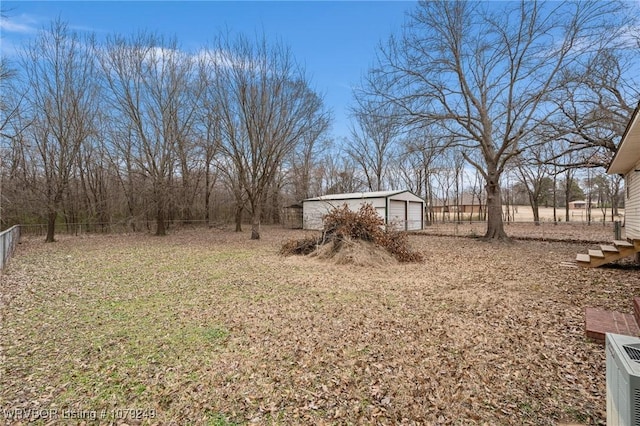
{"x": 358, "y": 237}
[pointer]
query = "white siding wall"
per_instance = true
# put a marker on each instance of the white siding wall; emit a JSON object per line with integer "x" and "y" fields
{"x": 314, "y": 211}
{"x": 632, "y": 204}
{"x": 407, "y": 196}
{"x": 416, "y": 215}
{"x": 397, "y": 216}
{"x": 412, "y": 219}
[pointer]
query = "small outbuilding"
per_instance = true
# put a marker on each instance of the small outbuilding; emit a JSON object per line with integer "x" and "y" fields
{"x": 402, "y": 209}
{"x": 578, "y": 204}
{"x": 467, "y": 203}
{"x": 626, "y": 162}
{"x": 292, "y": 216}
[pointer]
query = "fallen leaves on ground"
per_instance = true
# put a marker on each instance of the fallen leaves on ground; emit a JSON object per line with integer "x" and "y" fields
{"x": 209, "y": 327}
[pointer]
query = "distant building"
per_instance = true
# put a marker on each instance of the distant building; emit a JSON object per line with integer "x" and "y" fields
{"x": 466, "y": 204}
{"x": 578, "y": 204}
{"x": 293, "y": 216}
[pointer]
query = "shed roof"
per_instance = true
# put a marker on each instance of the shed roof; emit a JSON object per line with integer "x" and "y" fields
{"x": 359, "y": 195}
{"x": 628, "y": 153}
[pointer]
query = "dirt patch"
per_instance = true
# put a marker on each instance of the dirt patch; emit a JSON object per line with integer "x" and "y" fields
{"x": 356, "y": 252}
{"x": 212, "y": 328}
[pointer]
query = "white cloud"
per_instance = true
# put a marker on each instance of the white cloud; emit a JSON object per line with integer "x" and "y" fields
{"x": 22, "y": 24}
{"x": 629, "y": 37}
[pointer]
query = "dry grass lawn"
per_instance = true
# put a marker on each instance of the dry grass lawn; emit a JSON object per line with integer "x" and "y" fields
{"x": 206, "y": 327}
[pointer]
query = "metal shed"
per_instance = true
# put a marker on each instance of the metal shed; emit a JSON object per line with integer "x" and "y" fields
{"x": 401, "y": 209}
{"x": 293, "y": 216}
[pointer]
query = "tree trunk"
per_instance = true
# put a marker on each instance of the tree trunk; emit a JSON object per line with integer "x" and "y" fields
{"x": 161, "y": 227}
{"x": 567, "y": 196}
{"x": 495, "y": 225}
{"x": 536, "y": 214}
{"x": 535, "y": 208}
{"x": 255, "y": 221}
{"x": 555, "y": 198}
{"x": 51, "y": 225}
{"x": 207, "y": 194}
{"x": 238, "y": 217}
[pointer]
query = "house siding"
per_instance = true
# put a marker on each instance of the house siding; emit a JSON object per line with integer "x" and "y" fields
{"x": 632, "y": 204}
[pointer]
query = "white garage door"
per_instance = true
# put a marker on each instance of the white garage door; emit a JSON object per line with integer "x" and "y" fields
{"x": 415, "y": 216}
{"x": 397, "y": 216}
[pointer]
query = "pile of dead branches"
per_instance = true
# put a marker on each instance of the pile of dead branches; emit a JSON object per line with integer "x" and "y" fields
{"x": 345, "y": 229}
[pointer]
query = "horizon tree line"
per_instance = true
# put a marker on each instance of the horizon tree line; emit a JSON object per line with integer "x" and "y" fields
{"x": 134, "y": 130}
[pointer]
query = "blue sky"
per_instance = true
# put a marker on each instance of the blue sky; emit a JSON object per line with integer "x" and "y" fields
{"x": 335, "y": 40}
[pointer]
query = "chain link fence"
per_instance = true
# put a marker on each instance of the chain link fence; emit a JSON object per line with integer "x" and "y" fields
{"x": 544, "y": 230}
{"x": 8, "y": 241}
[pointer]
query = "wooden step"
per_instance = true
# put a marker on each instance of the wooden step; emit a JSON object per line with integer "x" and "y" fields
{"x": 622, "y": 243}
{"x": 596, "y": 253}
{"x": 583, "y": 258}
{"x": 609, "y": 249}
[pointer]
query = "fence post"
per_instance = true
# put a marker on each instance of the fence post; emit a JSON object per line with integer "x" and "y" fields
{"x": 617, "y": 230}
{"x": 2, "y": 237}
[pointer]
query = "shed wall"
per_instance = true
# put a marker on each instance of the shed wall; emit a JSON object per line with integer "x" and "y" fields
{"x": 315, "y": 210}
{"x": 405, "y": 210}
{"x": 415, "y": 216}
{"x": 292, "y": 217}
{"x": 397, "y": 214}
{"x": 406, "y": 196}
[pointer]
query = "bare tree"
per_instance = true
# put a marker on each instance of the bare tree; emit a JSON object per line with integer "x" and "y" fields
{"x": 154, "y": 101}
{"x": 340, "y": 174}
{"x": 485, "y": 73}
{"x": 61, "y": 101}
{"x": 94, "y": 179}
{"x": 304, "y": 163}
{"x": 10, "y": 99}
{"x": 600, "y": 95}
{"x": 266, "y": 109}
{"x": 418, "y": 155}
{"x": 373, "y": 139}
{"x": 535, "y": 177}
{"x": 210, "y": 140}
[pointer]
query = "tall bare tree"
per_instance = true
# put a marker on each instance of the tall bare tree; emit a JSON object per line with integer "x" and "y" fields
{"x": 153, "y": 93}
{"x": 304, "y": 164}
{"x": 535, "y": 177}
{"x": 61, "y": 102}
{"x": 209, "y": 144}
{"x": 340, "y": 174}
{"x": 600, "y": 95}
{"x": 373, "y": 140}
{"x": 267, "y": 108}
{"x": 485, "y": 72}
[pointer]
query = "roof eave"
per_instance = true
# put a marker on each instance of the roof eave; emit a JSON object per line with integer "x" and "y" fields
{"x": 628, "y": 153}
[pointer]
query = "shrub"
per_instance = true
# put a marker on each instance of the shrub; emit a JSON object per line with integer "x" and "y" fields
{"x": 342, "y": 225}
